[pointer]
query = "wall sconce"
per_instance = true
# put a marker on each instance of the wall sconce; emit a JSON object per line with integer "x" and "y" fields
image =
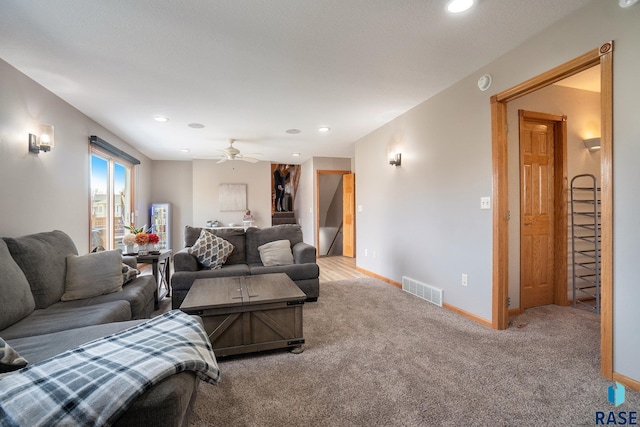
{"x": 395, "y": 159}
{"x": 592, "y": 144}
{"x": 43, "y": 141}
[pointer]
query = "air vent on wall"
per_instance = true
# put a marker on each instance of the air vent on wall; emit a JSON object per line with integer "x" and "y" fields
{"x": 424, "y": 291}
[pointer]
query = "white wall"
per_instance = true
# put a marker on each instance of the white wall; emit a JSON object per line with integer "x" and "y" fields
{"x": 173, "y": 183}
{"x": 192, "y": 189}
{"x": 582, "y": 109}
{"x": 423, "y": 219}
{"x": 207, "y": 177}
{"x": 47, "y": 191}
{"x": 305, "y": 204}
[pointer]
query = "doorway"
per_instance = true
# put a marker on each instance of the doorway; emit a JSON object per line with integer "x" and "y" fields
{"x": 334, "y": 213}
{"x": 543, "y": 220}
{"x": 499, "y": 129}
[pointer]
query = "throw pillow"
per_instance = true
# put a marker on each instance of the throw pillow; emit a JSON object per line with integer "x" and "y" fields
{"x": 210, "y": 250}
{"x": 128, "y": 273}
{"x": 93, "y": 274}
{"x": 276, "y": 253}
{"x": 16, "y": 299}
{"x": 10, "y": 360}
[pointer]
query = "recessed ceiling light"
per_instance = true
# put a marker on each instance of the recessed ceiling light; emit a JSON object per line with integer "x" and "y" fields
{"x": 185, "y": 150}
{"x": 324, "y": 129}
{"x": 161, "y": 119}
{"x": 293, "y": 131}
{"x": 196, "y": 125}
{"x": 458, "y": 6}
{"x": 296, "y": 154}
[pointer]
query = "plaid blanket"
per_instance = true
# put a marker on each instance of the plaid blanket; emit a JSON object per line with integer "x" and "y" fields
{"x": 94, "y": 384}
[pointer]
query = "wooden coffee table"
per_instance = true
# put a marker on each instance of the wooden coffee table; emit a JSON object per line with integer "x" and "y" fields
{"x": 248, "y": 313}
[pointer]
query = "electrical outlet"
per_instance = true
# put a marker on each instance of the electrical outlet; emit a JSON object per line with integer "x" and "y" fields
{"x": 366, "y": 252}
{"x": 465, "y": 280}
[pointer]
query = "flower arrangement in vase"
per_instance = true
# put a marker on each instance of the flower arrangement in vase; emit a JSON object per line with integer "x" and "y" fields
{"x": 128, "y": 241}
{"x": 153, "y": 241}
{"x": 140, "y": 236}
{"x": 142, "y": 239}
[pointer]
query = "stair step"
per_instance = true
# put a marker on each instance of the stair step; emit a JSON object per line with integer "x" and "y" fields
{"x": 280, "y": 218}
{"x": 280, "y": 221}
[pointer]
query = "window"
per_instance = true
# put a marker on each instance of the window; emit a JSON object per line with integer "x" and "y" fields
{"x": 112, "y": 178}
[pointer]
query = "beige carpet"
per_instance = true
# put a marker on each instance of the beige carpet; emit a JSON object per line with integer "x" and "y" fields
{"x": 378, "y": 356}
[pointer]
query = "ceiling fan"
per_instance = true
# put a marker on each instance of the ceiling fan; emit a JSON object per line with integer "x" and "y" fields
{"x": 232, "y": 153}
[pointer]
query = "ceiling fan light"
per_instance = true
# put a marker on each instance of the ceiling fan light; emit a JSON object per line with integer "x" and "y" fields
{"x": 626, "y": 3}
{"x": 459, "y": 6}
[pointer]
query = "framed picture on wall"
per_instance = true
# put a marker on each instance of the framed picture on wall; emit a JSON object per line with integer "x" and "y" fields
{"x": 232, "y": 197}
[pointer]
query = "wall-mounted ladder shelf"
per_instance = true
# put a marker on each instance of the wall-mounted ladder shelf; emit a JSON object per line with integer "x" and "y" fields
{"x": 585, "y": 241}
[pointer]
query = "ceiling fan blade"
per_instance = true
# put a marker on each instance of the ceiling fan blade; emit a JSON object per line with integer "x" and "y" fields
{"x": 248, "y": 159}
{"x": 222, "y": 160}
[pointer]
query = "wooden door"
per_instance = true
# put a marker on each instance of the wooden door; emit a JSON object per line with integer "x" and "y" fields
{"x": 348, "y": 215}
{"x": 537, "y": 267}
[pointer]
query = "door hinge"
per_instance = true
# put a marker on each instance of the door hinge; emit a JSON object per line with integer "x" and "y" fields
{"x": 508, "y": 215}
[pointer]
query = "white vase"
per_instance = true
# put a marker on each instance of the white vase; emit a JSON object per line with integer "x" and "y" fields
{"x": 128, "y": 249}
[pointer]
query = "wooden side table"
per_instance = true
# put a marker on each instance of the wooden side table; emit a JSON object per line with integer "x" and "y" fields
{"x": 161, "y": 268}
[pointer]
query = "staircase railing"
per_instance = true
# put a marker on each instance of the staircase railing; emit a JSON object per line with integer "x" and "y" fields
{"x": 335, "y": 238}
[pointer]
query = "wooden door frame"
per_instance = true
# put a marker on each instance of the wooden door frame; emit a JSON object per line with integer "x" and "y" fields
{"x": 317, "y": 190}
{"x": 560, "y": 222}
{"x": 500, "y": 284}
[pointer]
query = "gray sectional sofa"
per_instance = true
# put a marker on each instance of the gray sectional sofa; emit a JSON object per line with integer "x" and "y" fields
{"x": 245, "y": 259}
{"x": 38, "y": 325}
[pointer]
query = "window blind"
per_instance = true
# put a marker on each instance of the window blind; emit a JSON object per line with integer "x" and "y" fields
{"x": 114, "y": 151}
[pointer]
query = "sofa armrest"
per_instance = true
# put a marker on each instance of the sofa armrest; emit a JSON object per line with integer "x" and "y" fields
{"x": 303, "y": 253}
{"x": 130, "y": 260}
{"x": 184, "y": 261}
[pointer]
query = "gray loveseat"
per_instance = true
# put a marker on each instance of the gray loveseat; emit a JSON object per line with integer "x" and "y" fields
{"x": 245, "y": 259}
{"x": 38, "y": 325}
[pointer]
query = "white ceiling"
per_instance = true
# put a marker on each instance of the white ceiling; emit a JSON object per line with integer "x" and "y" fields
{"x": 588, "y": 79}
{"x": 251, "y": 69}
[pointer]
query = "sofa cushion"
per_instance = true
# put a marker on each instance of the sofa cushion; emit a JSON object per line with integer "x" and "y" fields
{"x": 140, "y": 293}
{"x": 259, "y": 236}
{"x": 10, "y": 360}
{"x": 276, "y": 253}
{"x": 16, "y": 300}
{"x": 191, "y": 234}
{"x": 63, "y": 316}
{"x": 169, "y": 400}
{"x": 210, "y": 250}
{"x": 182, "y": 280}
{"x": 42, "y": 258}
{"x": 235, "y": 236}
{"x": 93, "y": 274}
{"x": 128, "y": 273}
{"x": 294, "y": 271}
{"x": 40, "y": 347}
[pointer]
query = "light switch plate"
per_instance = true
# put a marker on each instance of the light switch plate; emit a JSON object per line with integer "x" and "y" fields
{"x": 485, "y": 202}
